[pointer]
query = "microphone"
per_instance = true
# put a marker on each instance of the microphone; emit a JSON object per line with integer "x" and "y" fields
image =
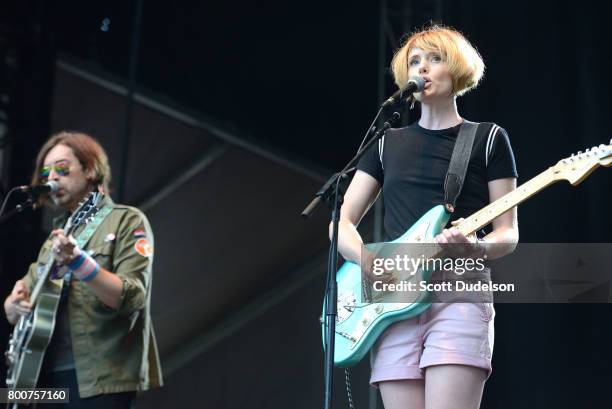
{"x": 45, "y": 189}
{"x": 414, "y": 84}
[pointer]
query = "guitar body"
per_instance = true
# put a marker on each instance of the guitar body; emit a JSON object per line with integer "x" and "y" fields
{"x": 359, "y": 324}
{"x": 31, "y": 337}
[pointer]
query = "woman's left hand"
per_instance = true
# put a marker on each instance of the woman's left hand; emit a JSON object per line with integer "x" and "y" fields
{"x": 456, "y": 244}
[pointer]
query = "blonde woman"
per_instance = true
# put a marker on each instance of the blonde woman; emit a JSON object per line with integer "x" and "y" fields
{"x": 442, "y": 358}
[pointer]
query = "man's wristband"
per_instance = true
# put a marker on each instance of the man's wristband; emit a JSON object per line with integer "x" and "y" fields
{"x": 84, "y": 267}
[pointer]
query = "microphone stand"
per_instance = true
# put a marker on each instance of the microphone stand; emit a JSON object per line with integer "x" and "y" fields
{"x": 29, "y": 202}
{"x": 330, "y": 192}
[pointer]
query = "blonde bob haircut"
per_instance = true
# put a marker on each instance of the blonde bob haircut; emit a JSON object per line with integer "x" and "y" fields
{"x": 464, "y": 62}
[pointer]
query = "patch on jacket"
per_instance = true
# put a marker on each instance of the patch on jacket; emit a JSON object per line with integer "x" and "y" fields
{"x": 143, "y": 247}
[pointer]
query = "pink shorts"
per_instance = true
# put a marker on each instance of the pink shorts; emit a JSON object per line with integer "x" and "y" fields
{"x": 452, "y": 333}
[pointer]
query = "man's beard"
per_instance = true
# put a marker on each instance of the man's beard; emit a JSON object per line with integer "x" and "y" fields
{"x": 70, "y": 200}
{"x": 63, "y": 202}
{"x": 55, "y": 200}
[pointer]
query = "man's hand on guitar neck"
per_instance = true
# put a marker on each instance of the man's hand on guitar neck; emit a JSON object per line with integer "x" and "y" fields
{"x": 18, "y": 302}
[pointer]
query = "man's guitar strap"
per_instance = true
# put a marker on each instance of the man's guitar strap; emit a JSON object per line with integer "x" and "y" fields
{"x": 453, "y": 183}
{"x": 92, "y": 226}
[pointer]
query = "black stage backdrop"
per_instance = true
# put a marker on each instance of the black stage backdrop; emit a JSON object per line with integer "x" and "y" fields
{"x": 302, "y": 77}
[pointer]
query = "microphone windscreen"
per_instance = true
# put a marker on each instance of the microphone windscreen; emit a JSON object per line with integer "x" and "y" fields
{"x": 420, "y": 83}
{"x": 53, "y": 186}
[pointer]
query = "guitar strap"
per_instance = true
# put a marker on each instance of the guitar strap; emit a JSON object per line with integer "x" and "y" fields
{"x": 92, "y": 226}
{"x": 457, "y": 169}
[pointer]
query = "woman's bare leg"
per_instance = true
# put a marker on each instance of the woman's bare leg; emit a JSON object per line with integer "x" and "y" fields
{"x": 454, "y": 386}
{"x": 403, "y": 394}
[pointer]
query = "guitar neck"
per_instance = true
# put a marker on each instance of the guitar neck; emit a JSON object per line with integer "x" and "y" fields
{"x": 42, "y": 279}
{"x": 485, "y": 215}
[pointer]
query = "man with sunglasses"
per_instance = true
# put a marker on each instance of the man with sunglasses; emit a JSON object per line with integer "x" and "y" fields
{"x": 103, "y": 347}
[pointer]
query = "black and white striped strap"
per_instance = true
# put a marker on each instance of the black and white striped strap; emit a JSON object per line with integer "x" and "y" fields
{"x": 490, "y": 141}
{"x": 381, "y": 147}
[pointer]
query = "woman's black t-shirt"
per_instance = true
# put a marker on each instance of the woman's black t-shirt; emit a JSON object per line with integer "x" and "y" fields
{"x": 413, "y": 166}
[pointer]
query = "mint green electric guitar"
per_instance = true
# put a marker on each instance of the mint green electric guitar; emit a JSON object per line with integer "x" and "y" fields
{"x": 359, "y": 324}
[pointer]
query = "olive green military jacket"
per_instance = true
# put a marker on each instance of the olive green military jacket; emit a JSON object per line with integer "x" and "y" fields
{"x": 114, "y": 350}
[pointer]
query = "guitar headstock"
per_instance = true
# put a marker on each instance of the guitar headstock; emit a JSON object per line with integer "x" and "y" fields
{"x": 577, "y": 167}
{"x": 85, "y": 212}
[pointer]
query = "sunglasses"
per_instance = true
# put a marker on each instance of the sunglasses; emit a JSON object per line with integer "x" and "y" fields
{"x": 62, "y": 169}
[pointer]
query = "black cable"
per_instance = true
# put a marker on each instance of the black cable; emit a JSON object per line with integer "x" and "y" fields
{"x": 370, "y": 130}
{"x": 7, "y": 197}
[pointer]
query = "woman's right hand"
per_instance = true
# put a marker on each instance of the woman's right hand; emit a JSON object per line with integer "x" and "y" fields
{"x": 367, "y": 267}
{"x": 18, "y": 302}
